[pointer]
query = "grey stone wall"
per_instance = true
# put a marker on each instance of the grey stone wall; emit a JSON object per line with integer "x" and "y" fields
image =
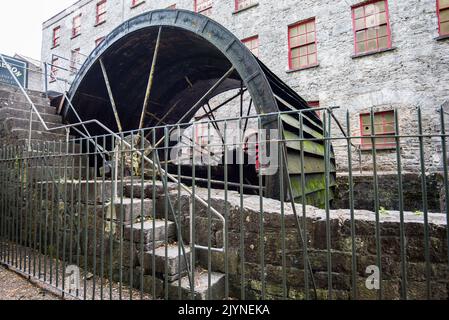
{"x": 275, "y": 250}
{"x": 413, "y": 74}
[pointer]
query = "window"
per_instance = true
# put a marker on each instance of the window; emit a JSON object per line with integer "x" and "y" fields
{"x": 252, "y": 44}
{"x": 76, "y": 26}
{"x": 173, "y": 6}
{"x": 302, "y": 45}
{"x": 242, "y": 4}
{"x": 75, "y": 60}
{"x": 443, "y": 17}
{"x": 54, "y": 68}
{"x": 384, "y": 127}
{"x": 99, "y": 41}
{"x": 315, "y": 104}
{"x": 135, "y": 3}
{"x": 204, "y": 7}
{"x": 371, "y": 27}
{"x": 56, "y": 36}
{"x": 101, "y": 12}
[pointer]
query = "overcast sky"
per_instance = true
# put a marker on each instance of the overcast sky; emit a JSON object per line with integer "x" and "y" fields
{"x": 21, "y": 24}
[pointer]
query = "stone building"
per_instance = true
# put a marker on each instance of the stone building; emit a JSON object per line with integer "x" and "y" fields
{"x": 357, "y": 55}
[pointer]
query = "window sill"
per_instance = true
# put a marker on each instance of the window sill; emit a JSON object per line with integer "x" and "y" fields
{"x": 100, "y": 23}
{"x": 246, "y": 8}
{"x": 443, "y": 37}
{"x": 370, "y": 53}
{"x": 75, "y": 36}
{"x": 303, "y": 68}
{"x": 137, "y": 4}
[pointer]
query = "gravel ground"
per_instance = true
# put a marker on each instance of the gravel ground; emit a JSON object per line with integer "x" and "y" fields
{"x": 15, "y": 287}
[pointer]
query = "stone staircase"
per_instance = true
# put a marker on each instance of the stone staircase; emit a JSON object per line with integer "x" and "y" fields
{"x": 142, "y": 244}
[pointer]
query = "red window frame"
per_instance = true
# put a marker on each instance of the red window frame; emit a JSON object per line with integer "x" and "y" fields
{"x": 443, "y": 20}
{"x": 76, "y": 25}
{"x": 385, "y": 138}
{"x": 173, "y": 6}
{"x": 54, "y": 68}
{"x": 99, "y": 41}
{"x": 315, "y": 104}
{"x": 203, "y": 6}
{"x": 252, "y": 43}
{"x": 373, "y": 29}
{"x": 243, "y": 4}
{"x": 101, "y": 12}
{"x": 136, "y": 3}
{"x": 56, "y": 36}
{"x": 306, "y": 49}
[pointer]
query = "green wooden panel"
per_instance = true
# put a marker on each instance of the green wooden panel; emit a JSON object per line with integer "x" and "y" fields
{"x": 294, "y": 122}
{"x": 314, "y": 183}
{"x": 311, "y": 164}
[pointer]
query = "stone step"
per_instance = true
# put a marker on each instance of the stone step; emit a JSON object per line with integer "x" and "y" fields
{"x": 159, "y": 233}
{"x": 148, "y": 188}
{"x": 166, "y": 255}
{"x": 49, "y": 173}
{"x": 17, "y": 134}
{"x": 129, "y": 210}
{"x": 15, "y": 89}
{"x": 216, "y": 291}
{"x": 18, "y": 96}
{"x": 11, "y": 123}
{"x": 9, "y": 112}
{"x": 24, "y": 105}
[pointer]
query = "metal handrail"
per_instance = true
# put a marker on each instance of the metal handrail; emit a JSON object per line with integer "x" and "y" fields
{"x": 118, "y": 137}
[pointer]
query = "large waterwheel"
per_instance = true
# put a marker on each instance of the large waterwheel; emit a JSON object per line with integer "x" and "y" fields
{"x": 194, "y": 54}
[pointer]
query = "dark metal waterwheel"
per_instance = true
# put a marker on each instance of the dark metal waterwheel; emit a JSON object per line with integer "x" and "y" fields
{"x": 191, "y": 59}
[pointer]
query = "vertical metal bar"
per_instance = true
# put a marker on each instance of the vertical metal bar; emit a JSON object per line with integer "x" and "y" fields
{"x": 121, "y": 223}
{"x": 304, "y": 208}
{"x": 351, "y": 206}
{"x": 79, "y": 200}
{"x": 47, "y": 204}
{"x": 282, "y": 172}
{"x": 401, "y": 209}
{"x": 193, "y": 218}
{"x": 46, "y": 79}
{"x": 104, "y": 222}
{"x": 94, "y": 245}
{"x": 376, "y": 204}
{"x": 53, "y": 209}
{"x": 425, "y": 205}
{"x": 167, "y": 199}
{"x": 179, "y": 214}
{"x": 240, "y": 159}
{"x": 327, "y": 149}
{"x": 112, "y": 203}
{"x": 86, "y": 223}
{"x": 153, "y": 258}
{"x": 261, "y": 133}
{"x": 445, "y": 173}
{"x": 226, "y": 187}
{"x": 142, "y": 196}
{"x": 66, "y": 209}
{"x": 131, "y": 222}
{"x": 209, "y": 213}
{"x": 41, "y": 209}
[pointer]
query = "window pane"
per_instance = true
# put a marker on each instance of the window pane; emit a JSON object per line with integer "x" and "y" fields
{"x": 311, "y": 37}
{"x": 311, "y": 26}
{"x": 371, "y": 33}
{"x": 372, "y": 21}
{"x": 370, "y": 9}
{"x": 444, "y": 4}
{"x": 383, "y": 43}
{"x": 359, "y": 24}
{"x": 382, "y": 31}
{"x": 381, "y": 18}
{"x": 358, "y": 12}
{"x": 312, "y": 48}
{"x": 302, "y": 40}
{"x": 303, "y": 61}
{"x": 444, "y": 15}
{"x": 380, "y": 6}
{"x": 294, "y": 42}
{"x": 303, "y": 51}
{"x": 295, "y": 53}
{"x": 371, "y": 45}
{"x": 360, "y": 36}
{"x": 361, "y": 47}
{"x": 295, "y": 63}
{"x": 312, "y": 58}
{"x": 302, "y": 28}
{"x": 445, "y": 28}
{"x": 293, "y": 32}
